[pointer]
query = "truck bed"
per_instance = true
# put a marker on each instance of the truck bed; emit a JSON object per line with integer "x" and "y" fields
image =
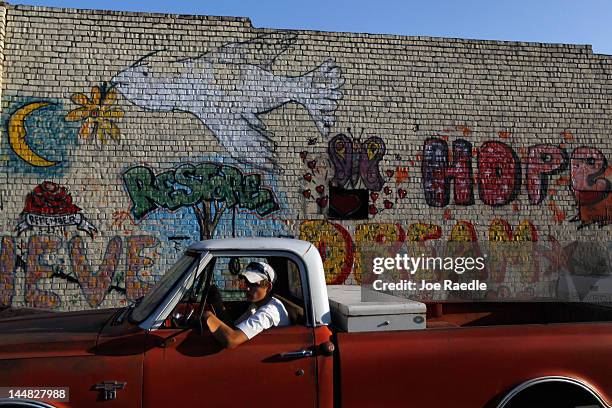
{"x": 510, "y": 313}
{"x": 473, "y": 366}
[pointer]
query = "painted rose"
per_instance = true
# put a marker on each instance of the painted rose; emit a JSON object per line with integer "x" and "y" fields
{"x": 49, "y": 198}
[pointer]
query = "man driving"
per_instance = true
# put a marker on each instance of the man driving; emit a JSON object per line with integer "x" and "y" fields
{"x": 264, "y": 311}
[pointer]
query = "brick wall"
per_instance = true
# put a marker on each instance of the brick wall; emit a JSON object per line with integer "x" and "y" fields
{"x": 127, "y": 136}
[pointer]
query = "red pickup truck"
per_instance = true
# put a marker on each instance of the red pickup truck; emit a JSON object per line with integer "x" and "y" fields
{"x": 338, "y": 352}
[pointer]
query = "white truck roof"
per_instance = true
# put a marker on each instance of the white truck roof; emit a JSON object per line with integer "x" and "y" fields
{"x": 253, "y": 244}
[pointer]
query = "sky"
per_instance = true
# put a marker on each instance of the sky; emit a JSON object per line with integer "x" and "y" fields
{"x": 549, "y": 21}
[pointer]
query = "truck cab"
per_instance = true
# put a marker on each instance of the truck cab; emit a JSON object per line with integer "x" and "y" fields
{"x": 279, "y": 363}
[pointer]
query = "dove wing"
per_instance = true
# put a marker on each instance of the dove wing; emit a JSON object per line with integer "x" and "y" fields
{"x": 261, "y": 51}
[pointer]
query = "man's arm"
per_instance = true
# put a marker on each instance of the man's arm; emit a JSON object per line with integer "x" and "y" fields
{"x": 228, "y": 337}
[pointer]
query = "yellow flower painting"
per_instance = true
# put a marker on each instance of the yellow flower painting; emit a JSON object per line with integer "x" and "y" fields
{"x": 97, "y": 114}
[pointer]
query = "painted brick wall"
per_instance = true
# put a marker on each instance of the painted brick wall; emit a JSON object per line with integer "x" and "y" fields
{"x": 127, "y": 136}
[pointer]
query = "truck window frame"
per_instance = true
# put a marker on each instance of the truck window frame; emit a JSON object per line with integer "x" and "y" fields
{"x": 308, "y": 304}
{"x": 169, "y": 302}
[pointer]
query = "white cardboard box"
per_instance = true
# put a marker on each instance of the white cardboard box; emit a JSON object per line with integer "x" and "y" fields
{"x": 386, "y": 313}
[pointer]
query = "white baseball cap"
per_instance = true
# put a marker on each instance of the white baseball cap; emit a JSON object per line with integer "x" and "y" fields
{"x": 258, "y": 271}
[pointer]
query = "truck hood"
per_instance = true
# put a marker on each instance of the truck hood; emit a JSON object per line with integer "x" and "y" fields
{"x": 51, "y": 334}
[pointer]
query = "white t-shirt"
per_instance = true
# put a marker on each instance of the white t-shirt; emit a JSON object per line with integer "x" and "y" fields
{"x": 255, "y": 320}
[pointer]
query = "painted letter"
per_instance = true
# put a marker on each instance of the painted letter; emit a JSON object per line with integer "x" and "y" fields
{"x": 94, "y": 284}
{"x": 136, "y": 262}
{"x": 499, "y": 173}
{"x": 437, "y": 172}
{"x": 543, "y": 160}
{"x": 39, "y": 246}
{"x": 335, "y": 246}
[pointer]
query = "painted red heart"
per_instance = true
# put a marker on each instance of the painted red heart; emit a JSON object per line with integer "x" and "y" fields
{"x": 372, "y": 209}
{"x": 345, "y": 203}
{"x": 320, "y": 189}
{"x": 374, "y": 196}
{"x": 389, "y": 173}
{"x": 308, "y": 177}
{"x": 306, "y": 193}
{"x": 387, "y": 190}
{"x": 322, "y": 201}
{"x": 303, "y": 155}
{"x": 388, "y": 204}
{"x": 312, "y": 164}
{"x": 401, "y": 193}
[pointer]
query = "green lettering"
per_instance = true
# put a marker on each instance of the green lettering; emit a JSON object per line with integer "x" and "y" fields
{"x": 167, "y": 193}
{"x": 185, "y": 175}
{"x": 232, "y": 182}
{"x": 139, "y": 183}
{"x": 207, "y": 171}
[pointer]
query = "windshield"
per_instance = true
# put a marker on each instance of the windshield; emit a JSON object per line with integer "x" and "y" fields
{"x": 155, "y": 296}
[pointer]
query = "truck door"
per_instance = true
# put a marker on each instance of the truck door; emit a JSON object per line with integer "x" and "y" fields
{"x": 187, "y": 366}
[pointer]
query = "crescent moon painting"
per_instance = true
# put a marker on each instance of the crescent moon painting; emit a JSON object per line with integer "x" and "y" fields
{"x": 17, "y": 135}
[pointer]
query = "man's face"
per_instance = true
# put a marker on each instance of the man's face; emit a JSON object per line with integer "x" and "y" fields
{"x": 256, "y": 292}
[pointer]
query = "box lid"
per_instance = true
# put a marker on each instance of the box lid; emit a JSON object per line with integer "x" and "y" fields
{"x": 346, "y": 299}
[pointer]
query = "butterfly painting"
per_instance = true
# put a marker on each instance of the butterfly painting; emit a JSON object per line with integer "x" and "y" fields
{"x": 356, "y": 161}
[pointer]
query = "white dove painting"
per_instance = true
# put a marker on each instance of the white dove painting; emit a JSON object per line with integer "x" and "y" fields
{"x": 229, "y": 87}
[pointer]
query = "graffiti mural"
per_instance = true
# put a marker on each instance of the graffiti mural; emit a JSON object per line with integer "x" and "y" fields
{"x": 209, "y": 189}
{"x": 138, "y": 265}
{"x": 341, "y": 250}
{"x": 463, "y": 231}
{"x": 17, "y": 136}
{"x": 229, "y": 87}
{"x": 252, "y": 138}
{"x": 49, "y": 206}
{"x": 317, "y": 176}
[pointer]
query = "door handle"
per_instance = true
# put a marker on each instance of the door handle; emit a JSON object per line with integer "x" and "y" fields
{"x": 109, "y": 388}
{"x": 289, "y": 355}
